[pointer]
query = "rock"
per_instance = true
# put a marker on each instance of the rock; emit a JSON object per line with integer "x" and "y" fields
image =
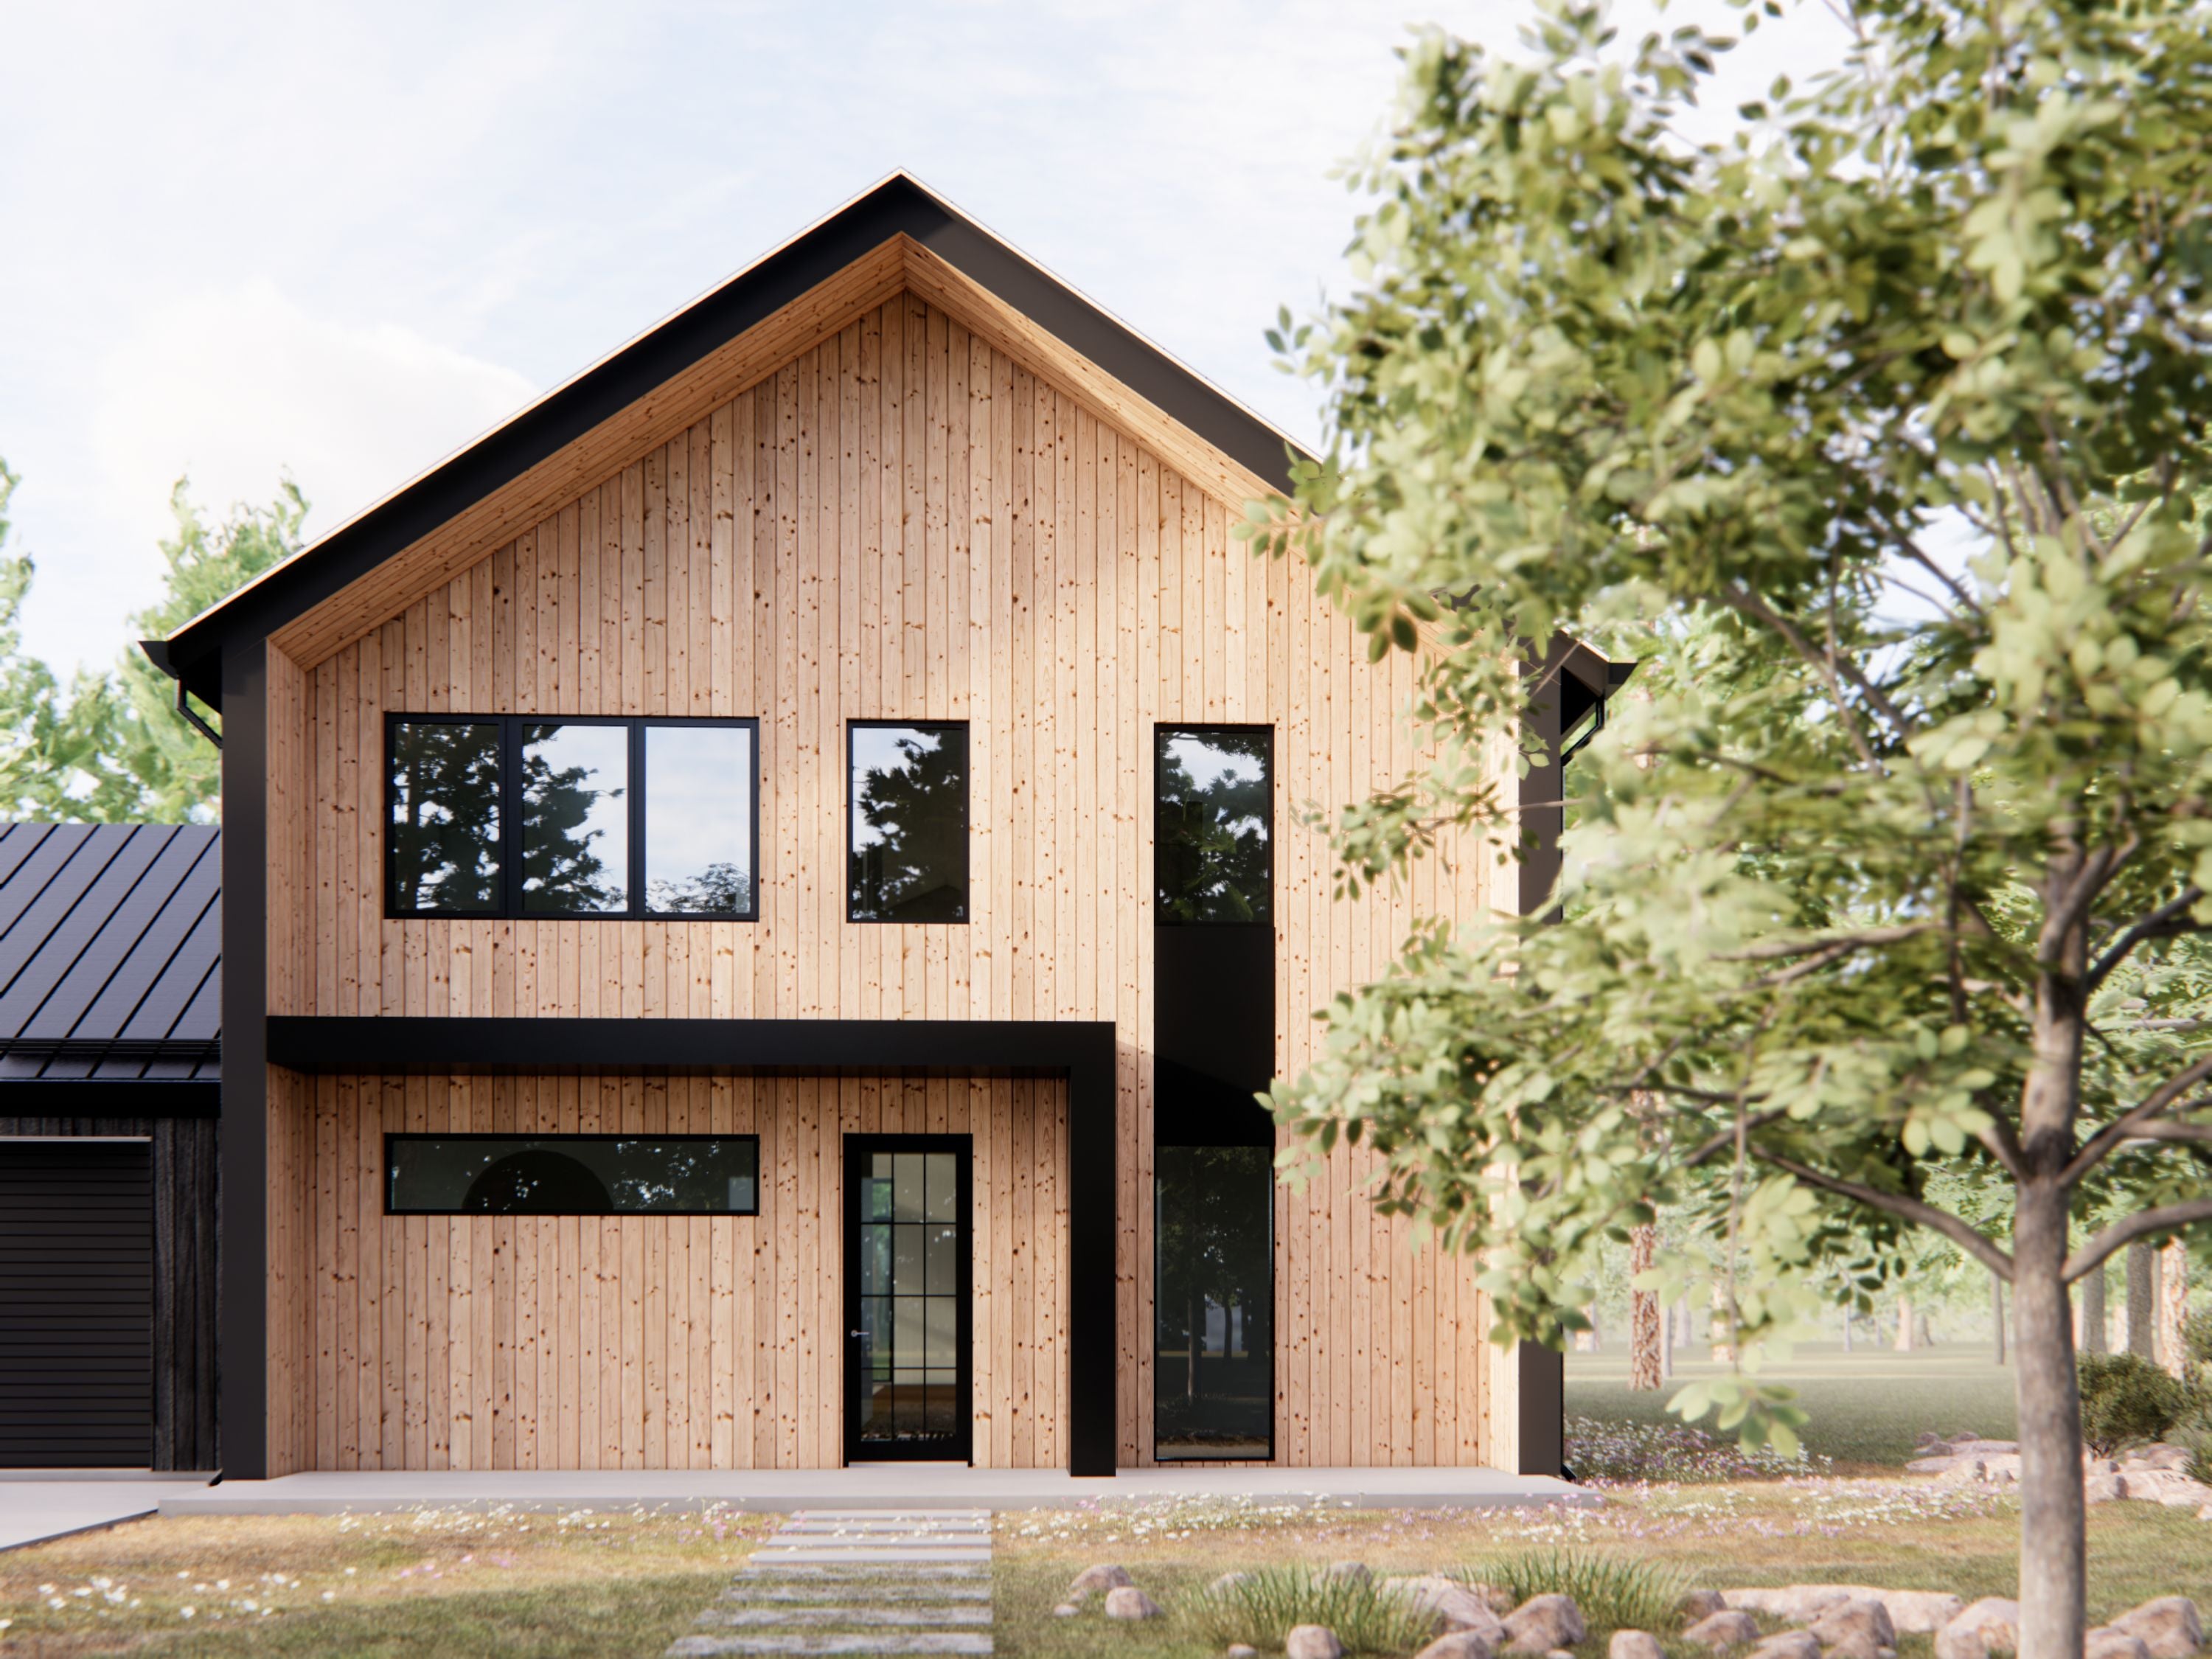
{"x": 1312, "y": 1642}
{"x": 2168, "y": 1626}
{"x": 1729, "y": 1629}
{"x": 1128, "y": 1601}
{"x": 1911, "y": 1611}
{"x": 1458, "y": 1645}
{"x": 1989, "y": 1626}
{"x": 1860, "y": 1615}
{"x": 1065, "y": 1610}
{"x": 1103, "y": 1577}
{"x": 2205, "y": 1513}
{"x": 1355, "y": 1570}
{"x": 2103, "y": 1488}
{"x": 1632, "y": 1644}
{"x": 1701, "y": 1604}
{"x": 1241, "y": 1651}
{"x": 1458, "y": 1606}
{"x": 1542, "y": 1623}
{"x": 2158, "y": 1456}
{"x": 1227, "y": 1581}
{"x": 2105, "y": 1642}
{"x": 2164, "y": 1487}
{"x": 1857, "y": 1644}
{"x": 1790, "y": 1644}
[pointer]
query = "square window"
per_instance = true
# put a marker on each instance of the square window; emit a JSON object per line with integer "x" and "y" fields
{"x": 909, "y": 851}
{"x": 442, "y": 824}
{"x": 1213, "y": 826}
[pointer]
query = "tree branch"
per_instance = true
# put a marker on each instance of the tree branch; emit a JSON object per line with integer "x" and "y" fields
{"x": 1865, "y": 940}
{"x": 1726, "y": 1138}
{"x": 1896, "y": 1204}
{"x": 2162, "y": 923}
{"x": 2129, "y": 1123}
{"x": 2123, "y": 1233}
{"x": 1743, "y": 600}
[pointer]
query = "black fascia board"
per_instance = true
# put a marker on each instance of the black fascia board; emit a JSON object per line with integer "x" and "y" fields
{"x": 1083, "y": 1051}
{"x": 899, "y": 205}
{"x": 46, "y": 1096}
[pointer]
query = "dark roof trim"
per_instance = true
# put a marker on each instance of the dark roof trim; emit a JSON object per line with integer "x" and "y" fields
{"x": 897, "y": 206}
{"x": 106, "y": 1097}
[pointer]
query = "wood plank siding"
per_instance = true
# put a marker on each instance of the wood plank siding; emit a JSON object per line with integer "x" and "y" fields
{"x": 910, "y": 518}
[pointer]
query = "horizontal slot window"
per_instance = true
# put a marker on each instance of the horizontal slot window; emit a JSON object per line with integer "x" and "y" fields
{"x": 572, "y": 1175}
{"x": 525, "y": 817}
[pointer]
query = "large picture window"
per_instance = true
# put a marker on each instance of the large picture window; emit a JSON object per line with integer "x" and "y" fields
{"x": 521, "y": 815}
{"x": 571, "y": 1175}
{"x": 1213, "y": 829}
{"x": 908, "y": 856}
{"x": 1213, "y": 1366}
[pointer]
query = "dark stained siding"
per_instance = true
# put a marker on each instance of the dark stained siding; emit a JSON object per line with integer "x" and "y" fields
{"x": 182, "y": 1173}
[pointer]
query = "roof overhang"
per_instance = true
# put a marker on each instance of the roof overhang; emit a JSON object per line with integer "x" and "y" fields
{"x": 898, "y": 237}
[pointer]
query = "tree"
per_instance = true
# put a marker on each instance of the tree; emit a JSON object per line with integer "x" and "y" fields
{"x": 178, "y": 772}
{"x": 1901, "y": 394}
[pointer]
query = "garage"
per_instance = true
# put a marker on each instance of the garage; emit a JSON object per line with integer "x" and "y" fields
{"x": 76, "y": 1302}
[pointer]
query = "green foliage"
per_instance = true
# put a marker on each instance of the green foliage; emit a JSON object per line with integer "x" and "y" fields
{"x": 1260, "y": 1607}
{"x": 1611, "y": 1592}
{"x": 2126, "y": 1401}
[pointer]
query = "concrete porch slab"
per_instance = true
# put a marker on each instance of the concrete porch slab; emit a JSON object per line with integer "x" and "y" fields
{"x": 888, "y": 1487}
{"x": 33, "y": 1511}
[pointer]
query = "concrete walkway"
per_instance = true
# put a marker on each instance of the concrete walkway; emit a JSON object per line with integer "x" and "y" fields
{"x": 880, "y": 1487}
{"x": 857, "y": 1581}
{"x": 34, "y": 1510}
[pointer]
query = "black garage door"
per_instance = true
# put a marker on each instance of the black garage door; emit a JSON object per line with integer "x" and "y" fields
{"x": 76, "y": 1304}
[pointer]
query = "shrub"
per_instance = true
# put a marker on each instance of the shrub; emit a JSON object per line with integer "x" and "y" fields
{"x": 1262, "y": 1606}
{"x": 2126, "y": 1401}
{"x": 1630, "y": 1451}
{"x": 1611, "y": 1592}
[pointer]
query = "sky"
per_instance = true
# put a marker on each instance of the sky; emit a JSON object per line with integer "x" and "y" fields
{"x": 340, "y": 241}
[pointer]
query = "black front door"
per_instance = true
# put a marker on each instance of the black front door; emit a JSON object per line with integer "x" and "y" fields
{"x": 907, "y": 1321}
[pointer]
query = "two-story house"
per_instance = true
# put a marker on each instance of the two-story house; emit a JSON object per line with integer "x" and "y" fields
{"x": 757, "y": 897}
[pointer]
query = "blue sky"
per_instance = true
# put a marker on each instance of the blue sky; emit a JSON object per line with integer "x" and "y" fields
{"x": 344, "y": 238}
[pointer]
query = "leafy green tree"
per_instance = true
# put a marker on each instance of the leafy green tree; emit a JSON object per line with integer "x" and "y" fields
{"x": 1902, "y": 391}
{"x": 178, "y": 772}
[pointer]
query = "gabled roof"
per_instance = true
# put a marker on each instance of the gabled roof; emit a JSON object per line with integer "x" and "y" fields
{"x": 110, "y": 957}
{"x": 897, "y": 236}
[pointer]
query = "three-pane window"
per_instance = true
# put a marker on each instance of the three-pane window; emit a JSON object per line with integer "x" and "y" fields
{"x": 586, "y": 816}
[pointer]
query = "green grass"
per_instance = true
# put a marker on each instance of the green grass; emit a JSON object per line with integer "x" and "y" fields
{"x": 1867, "y": 1407}
{"x": 1611, "y": 1590}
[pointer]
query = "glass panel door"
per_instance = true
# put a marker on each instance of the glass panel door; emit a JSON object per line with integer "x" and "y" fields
{"x": 906, "y": 1296}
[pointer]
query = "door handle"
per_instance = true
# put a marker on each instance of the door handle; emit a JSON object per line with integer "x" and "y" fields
{"x": 857, "y": 1335}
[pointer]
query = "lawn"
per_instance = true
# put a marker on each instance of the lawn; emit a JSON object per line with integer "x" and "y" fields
{"x": 1867, "y": 1406}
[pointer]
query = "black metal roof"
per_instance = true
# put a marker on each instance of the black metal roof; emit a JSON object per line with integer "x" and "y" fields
{"x": 899, "y": 205}
{"x": 111, "y": 967}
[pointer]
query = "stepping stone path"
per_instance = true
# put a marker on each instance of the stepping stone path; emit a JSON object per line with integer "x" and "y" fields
{"x": 857, "y": 1581}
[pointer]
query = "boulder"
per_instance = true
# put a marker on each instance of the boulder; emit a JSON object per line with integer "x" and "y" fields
{"x": 1241, "y": 1651}
{"x": 1701, "y": 1604}
{"x": 1860, "y": 1615}
{"x": 1911, "y": 1611}
{"x": 1633, "y": 1644}
{"x": 1102, "y": 1577}
{"x": 1857, "y": 1644}
{"x": 1312, "y": 1642}
{"x": 1717, "y": 1630}
{"x": 1355, "y": 1570}
{"x": 1790, "y": 1644}
{"x": 1458, "y": 1645}
{"x": 2105, "y": 1488}
{"x": 1989, "y": 1626}
{"x": 2105, "y": 1642}
{"x": 1065, "y": 1610}
{"x": 1456, "y": 1605}
{"x": 2168, "y": 1626}
{"x": 1542, "y": 1623}
{"x": 1128, "y": 1601}
{"x": 2158, "y": 1456}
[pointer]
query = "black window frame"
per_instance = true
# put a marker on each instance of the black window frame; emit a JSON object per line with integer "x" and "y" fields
{"x": 967, "y": 821}
{"x": 1162, "y": 731}
{"x": 510, "y": 907}
{"x": 393, "y": 1137}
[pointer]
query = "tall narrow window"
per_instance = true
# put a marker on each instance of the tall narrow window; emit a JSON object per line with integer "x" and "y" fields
{"x": 699, "y": 820}
{"x": 1214, "y": 824}
{"x": 575, "y": 819}
{"x": 1213, "y": 1373}
{"x": 442, "y": 831}
{"x": 909, "y": 856}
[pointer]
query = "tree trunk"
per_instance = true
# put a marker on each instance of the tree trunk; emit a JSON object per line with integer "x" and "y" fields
{"x": 1646, "y": 1366}
{"x": 2142, "y": 1300}
{"x": 1723, "y": 1350}
{"x": 1904, "y": 1341}
{"x": 1665, "y": 1344}
{"x": 1997, "y": 1312}
{"x": 2093, "y": 1312}
{"x": 2173, "y": 1306}
{"x": 2053, "y": 1572}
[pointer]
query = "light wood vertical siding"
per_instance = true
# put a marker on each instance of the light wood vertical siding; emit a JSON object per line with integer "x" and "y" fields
{"x": 681, "y": 1342}
{"x": 904, "y": 522}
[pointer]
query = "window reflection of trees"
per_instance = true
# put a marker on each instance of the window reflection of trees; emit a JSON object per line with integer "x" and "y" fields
{"x": 1213, "y": 826}
{"x": 445, "y": 816}
{"x": 1214, "y": 1345}
{"x": 581, "y": 1174}
{"x": 562, "y": 866}
{"x": 719, "y": 890}
{"x": 909, "y": 853}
